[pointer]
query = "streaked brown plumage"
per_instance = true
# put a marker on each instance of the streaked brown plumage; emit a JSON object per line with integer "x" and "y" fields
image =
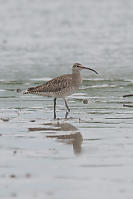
{"x": 53, "y": 88}
{"x": 61, "y": 86}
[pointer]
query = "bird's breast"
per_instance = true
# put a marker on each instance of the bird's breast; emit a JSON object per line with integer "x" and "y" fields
{"x": 77, "y": 82}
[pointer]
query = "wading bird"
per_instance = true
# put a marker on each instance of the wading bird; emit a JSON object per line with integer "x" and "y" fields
{"x": 61, "y": 86}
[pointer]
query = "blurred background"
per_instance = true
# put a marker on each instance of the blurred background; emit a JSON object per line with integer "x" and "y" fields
{"x": 44, "y": 38}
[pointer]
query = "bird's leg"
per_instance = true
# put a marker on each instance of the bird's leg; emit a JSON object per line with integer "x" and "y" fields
{"x": 67, "y": 105}
{"x": 54, "y": 108}
{"x": 66, "y": 114}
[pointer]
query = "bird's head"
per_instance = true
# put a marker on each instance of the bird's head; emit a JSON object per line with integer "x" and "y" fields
{"x": 79, "y": 67}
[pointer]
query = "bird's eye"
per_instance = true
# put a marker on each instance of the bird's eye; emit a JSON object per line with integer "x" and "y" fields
{"x": 76, "y": 65}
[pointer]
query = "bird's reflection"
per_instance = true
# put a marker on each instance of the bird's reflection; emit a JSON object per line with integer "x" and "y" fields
{"x": 74, "y": 138}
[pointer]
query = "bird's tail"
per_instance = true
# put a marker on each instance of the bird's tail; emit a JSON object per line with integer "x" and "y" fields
{"x": 29, "y": 90}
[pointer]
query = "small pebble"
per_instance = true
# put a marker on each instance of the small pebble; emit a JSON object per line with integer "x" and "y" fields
{"x": 85, "y": 101}
{"x": 32, "y": 120}
{"x": 18, "y": 90}
{"x": 12, "y": 176}
{"x": 6, "y": 119}
{"x": 14, "y": 152}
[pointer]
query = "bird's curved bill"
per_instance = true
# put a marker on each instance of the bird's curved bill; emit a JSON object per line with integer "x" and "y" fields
{"x": 129, "y": 95}
{"x": 90, "y": 69}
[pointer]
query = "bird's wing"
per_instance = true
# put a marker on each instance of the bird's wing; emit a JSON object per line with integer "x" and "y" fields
{"x": 54, "y": 85}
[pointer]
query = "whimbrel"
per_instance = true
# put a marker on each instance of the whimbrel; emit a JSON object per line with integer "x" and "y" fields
{"x": 61, "y": 86}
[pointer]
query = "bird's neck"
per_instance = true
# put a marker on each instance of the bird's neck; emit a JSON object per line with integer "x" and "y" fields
{"x": 76, "y": 77}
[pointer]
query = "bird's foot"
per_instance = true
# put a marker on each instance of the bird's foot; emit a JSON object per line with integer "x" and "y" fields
{"x": 67, "y": 112}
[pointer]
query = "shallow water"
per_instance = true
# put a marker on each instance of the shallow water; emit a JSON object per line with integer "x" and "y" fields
{"x": 89, "y": 154}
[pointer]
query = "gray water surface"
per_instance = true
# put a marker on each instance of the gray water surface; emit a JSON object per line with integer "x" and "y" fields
{"x": 89, "y": 154}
